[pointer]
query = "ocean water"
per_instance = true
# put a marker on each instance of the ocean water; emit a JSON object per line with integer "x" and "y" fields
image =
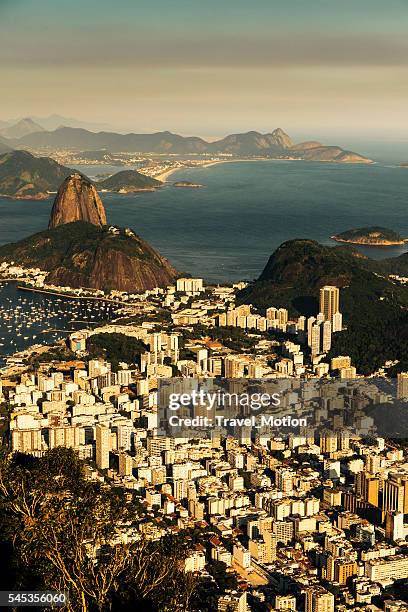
{"x": 226, "y": 230}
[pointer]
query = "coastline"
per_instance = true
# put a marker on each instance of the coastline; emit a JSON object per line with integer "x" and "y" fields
{"x": 373, "y": 244}
{"x": 129, "y": 191}
{"x": 163, "y": 176}
{"x": 70, "y": 296}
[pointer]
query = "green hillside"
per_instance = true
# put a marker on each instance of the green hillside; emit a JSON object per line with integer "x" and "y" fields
{"x": 24, "y": 176}
{"x": 374, "y": 308}
{"x": 128, "y": 180}
{"x": 81, "y": 254}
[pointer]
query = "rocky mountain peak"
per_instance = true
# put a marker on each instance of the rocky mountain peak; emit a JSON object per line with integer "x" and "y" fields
{"x": 77, "y": 200}
{"x": 280, "y": 138}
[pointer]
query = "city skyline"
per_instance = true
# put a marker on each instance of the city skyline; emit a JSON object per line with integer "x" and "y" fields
{"x": 210, "y": 70}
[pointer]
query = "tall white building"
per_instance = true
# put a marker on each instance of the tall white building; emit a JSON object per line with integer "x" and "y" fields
{"x": 394, "y": 526}
{"x": 102, "y": 446}
{"x": 314, "y": 339}
{"x": 326, "y": 336}
{"x": 190, "y": 285}
{"x": 337, "y": 322}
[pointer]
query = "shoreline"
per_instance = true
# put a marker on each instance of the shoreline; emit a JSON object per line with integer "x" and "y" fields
{"x": 70, "y": 296}
{"x": 163, "y": 176}
{"x": 130, "y": 191}
{"x": 369, "y": 244}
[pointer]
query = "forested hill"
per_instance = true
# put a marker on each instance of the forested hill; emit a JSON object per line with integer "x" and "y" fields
{"x": 374, "y": 307}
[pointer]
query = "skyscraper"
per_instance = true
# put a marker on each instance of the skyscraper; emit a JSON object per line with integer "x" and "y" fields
{"x": 337, "y": 322}
{"x": 102, "y": 446}
{"x": 395, "y": 494}
{"x": 329, "y": 301}
{"x": 314, "y": 339}
{"x": 394, "y": 526}
{"x": 402, "y": 385}
{"x": 326, "y": 339}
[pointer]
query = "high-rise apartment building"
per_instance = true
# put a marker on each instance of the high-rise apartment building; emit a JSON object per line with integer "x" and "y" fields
{"x": 337, "y": 322}
{"x": 329, "y": 301}
{"x": 402, "y": 385}
{"x": 395, "y": 493}
{"x": 319, "y": 600}
{"x": 326, "y": 336}
{"x": 102, "y": 446}
{"x": 394, "y": 526}
{"x": 388, "y": 568}
{"x": 314, "y": 339}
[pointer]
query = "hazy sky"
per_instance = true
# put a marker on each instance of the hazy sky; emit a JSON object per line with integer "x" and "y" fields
{"x": 210, "y": 67}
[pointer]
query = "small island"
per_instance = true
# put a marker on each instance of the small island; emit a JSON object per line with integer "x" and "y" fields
{"x": 404, "y": 164}
{"x": 187, "y": 184}
{"x": 128, "y": 181}
{"x": 370, "y": 236}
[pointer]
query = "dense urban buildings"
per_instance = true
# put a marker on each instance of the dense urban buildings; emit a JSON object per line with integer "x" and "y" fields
{"x": 309, "y": 519}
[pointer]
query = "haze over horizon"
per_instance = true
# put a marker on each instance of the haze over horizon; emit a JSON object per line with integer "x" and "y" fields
{"x": 322, "y": 70}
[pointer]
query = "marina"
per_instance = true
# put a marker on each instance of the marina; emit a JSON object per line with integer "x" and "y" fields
{"x": 28, "y": 318}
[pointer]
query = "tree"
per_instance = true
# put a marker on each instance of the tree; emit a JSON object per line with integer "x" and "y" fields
{"x": 115, "y": 348}
{"x": 65, "y": 535}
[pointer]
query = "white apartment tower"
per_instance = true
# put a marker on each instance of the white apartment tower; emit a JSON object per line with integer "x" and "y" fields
{"x": 102, "y": 446}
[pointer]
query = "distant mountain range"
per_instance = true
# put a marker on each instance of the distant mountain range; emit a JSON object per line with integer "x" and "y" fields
{"x": 54, "y": 121}
{"x": 276, "y": 144}
{"x": 24, "y": 127}
{"x": 24, "y": 176}
{"x": 4, "y": 146}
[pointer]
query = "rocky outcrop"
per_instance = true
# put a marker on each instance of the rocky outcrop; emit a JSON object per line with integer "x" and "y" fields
{"x": 77, "y": 200}
{"x": 114, "y": 269}
{"x": 281, "y": 139}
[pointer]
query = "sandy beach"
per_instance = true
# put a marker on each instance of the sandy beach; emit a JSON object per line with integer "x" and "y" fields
{"x": 163, "y": 176}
